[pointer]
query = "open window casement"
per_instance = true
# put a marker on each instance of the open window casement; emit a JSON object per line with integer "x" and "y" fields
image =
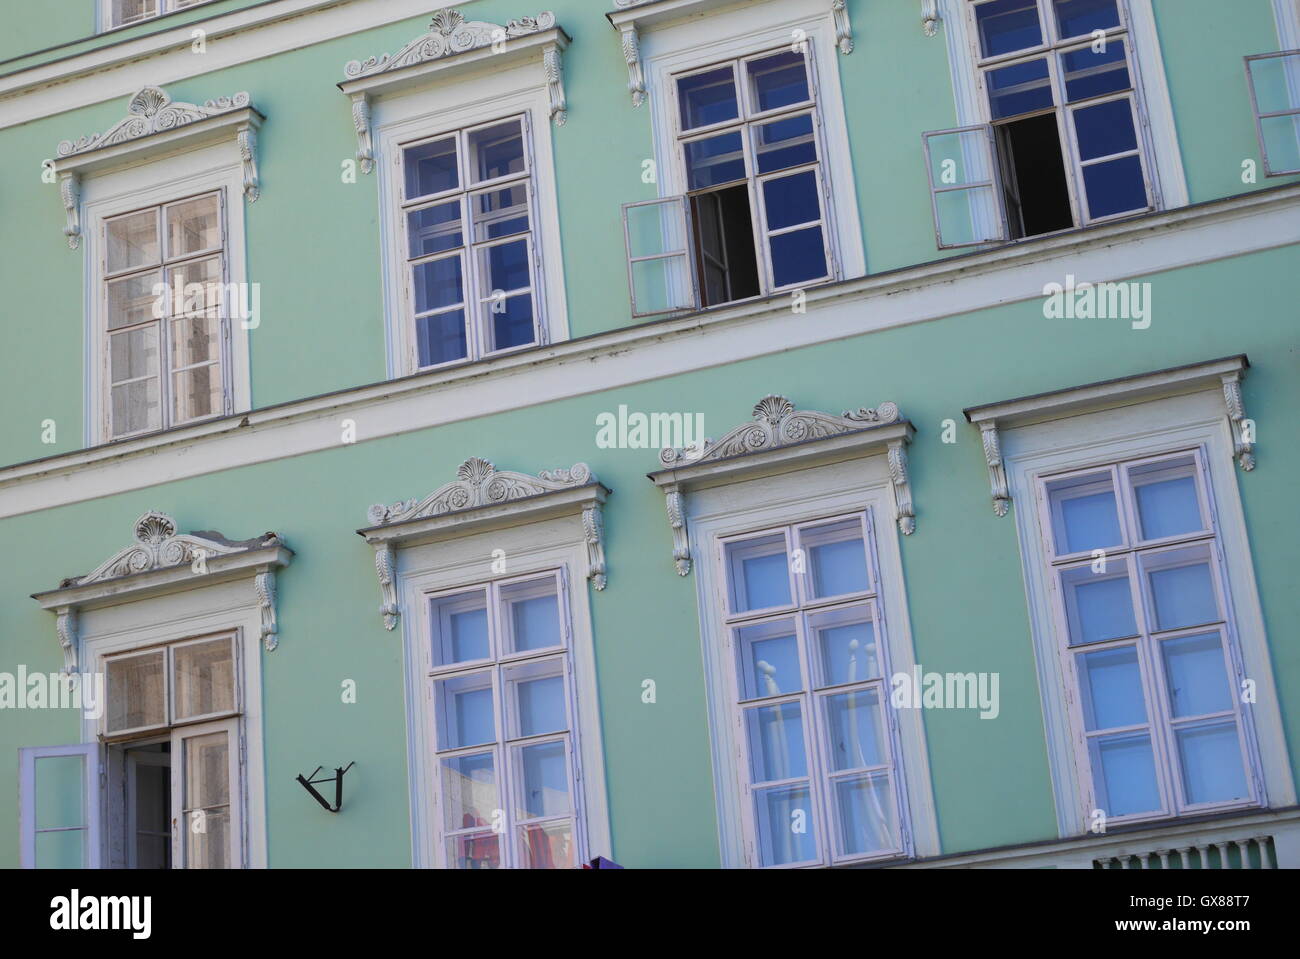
{"x": 1274, "y": 81}
{"x": 59, "y": 806}
{"x": 660, "y": 267}
{"x": 965, "y": 192}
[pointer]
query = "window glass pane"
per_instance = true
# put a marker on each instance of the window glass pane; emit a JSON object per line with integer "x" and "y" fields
{"x": 548, "y": 845}
{"x": 836, "y": 558}
{"x": 438, "y": 283}
{"x": 1110, "y": 684}
{"x": 204, "y": 678}
{"x": 430, "y": 168}
{"x": 193, "y": 225}
{"x": 1020, "y": 88}
{"x": 1194, "y": 670}
{"x": 133, "y": 241}
{"x": 496, "y": 151}
{"x": 499, "y": 213}
{"x": 206, "y": 814}
{"x": 511, "y": 322}
{"x": 531, "y": 615}
{"x": 60, "y": 791}
{"x": 1083, "y": 513}
{"x": 132, "y": 11}
{"x": 715, "y": 160}
{"x": 196, "y": 393}
{"x": 707, "y": 98}
{"x": 194, "y": 341}
{"x": 1211, "y": 758}
{"x": 64, "y": 849}
{"x": 1089, "y": 73}
{"x": 1115, "y": 186}
{"x": 195, "y": 288}
{"x": 1125, "y": 771}
{"x": 459, "y": 625}
{"x": 791, "y": 200}
{"x": 655, "y": 228}
{"x": 769, "y": 659}
{"x": 1007, "y": 25}
{"x": 968, "y": 217}
{"x": 855, "y": 730}
{"x": 759, "y": 574}
{"x": 1104, "y": 129}
{"x": 865, "y": 820}
{"x": 661, "y": 286}
{"x": 778, "y": 81}
{"x": 1074, "y": 18}
{"x": 543, "y": 780}
{"x": 845, "y": 640}
{"x": 785, "y": 825}
{"x": 210, "y": 847}
{"x": 135, "y": 692}
{"x": 1167, "y": 501}
{"x": 466, "y": 713}
{"x": 441, "y": 338}
{"x": 476, "y": 851}
{"x": 469, "y": 791}
{"x": 132, "y": 300}
{"x": 536, "y": 694}
{"x": 434, "y": 229}
{"x": 784, "y": 143}
{"x": 135, "y": 407}
{"x": 776, "y": 748}
{"x": 1098, "y": 606}
{"x": 1274, "y": 81}
{"x": 798, "y": 256}
{"x": 1182, "y": 588}
{"x": 503, "y": 267}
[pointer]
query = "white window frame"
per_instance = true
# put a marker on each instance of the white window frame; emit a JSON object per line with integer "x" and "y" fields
{"x": 213, "y": 169}
{"x": 161, "y": 9}
{"x": 1160, "y": 725}
{"x": 714, "y": 514}
{"x": 1054, "y": 445}
{"x": 458, "y": 104}
{"x": 27, "y": 799}
{"x": 683, "y": 47}
{"x": 531, "y": 549}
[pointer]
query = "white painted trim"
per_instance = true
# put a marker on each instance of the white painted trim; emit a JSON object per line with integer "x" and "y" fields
{"x": 27, "y": 756}
{"x": 147, "y": 183}
{"x": 1140, "y": 429}
{"x": 856, "y": 485}
{"x": 529, "y": 547}
{"x": 117, "y": 69}
{"x": 1286, "y": 14}
{"x": 219, "y": 608}
{"x": 466, "y": 101}
{"x": 956, "y": 286}
{"x": 104, "y": 14}
{"x": 756, "y": 27}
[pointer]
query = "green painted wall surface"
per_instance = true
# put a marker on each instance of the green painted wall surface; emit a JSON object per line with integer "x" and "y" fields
{"x": 962, "y": 570}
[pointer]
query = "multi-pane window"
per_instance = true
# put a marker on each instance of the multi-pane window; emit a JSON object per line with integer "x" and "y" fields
{"x": 122, "y": 13}
{"x": 164, "y": 292}
{"x": 754, "y": 218}
{"x": 172, "y": 724}
{"x": 1274, "y": 80}
{"x": 468, "y": 225}
{"x": 500, "y": 683}
{"x": 1064, "y": 148}
{"x": 804, "y": 621}
{"x": 1147, "y": 637}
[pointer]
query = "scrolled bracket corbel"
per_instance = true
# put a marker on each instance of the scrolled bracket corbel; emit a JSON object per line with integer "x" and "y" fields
{"x": 1243, "y": 429}
{"x": 553, "y": 67}
{"x": 66, "y": 626}
{"x": 635, "y": 71}
{"x": 264, "y": 587}
{"x": 387, "y": 585}
{"x": 904, "y": 512}
{"x": 593, "y": 528}
{"x": 930, "y": 17}
{"x": 677, "y": 521}
{"x": 843, "y": 28}
{"x": 997, "y": 469}
{"x": 365, "y": 141}
{"x": 70, "y": 193}
{"x": 246, "y": 139}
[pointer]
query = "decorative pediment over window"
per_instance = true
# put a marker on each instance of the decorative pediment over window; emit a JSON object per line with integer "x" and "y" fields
{"x": 154, "y": 123}
{"x": 161, "y": 561}
{"x": 453, "y": 43}
{"x": 779, "y": 439}
{"x": 482, "y": 498}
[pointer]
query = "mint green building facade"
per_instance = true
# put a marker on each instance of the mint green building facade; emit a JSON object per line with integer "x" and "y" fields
{"x": 329, "y": 408}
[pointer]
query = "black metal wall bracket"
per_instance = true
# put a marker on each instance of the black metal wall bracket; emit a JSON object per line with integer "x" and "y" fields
{"x": 337, "y": 779}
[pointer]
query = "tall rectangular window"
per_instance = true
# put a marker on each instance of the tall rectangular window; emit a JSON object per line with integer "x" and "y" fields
{"x": 1147, "y": 638}
{"x": 500, "y": 680}
{"x": 468, "y": 221}
{"x": 164, "y": 292}
{"x": 811, "y": 666}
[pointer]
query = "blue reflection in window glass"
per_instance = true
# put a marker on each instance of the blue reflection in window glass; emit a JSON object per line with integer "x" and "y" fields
{"x": 798, "y": 256}
{"x": 791, "y": 200}
{"x": 1091, "y": 74}
{"x": 441, "y": 338}
{"x": 779, "y": 81}
{"x": 514, "y": 325}
{"x": 1007, "y": 25}
{"x": 1115, "y": 186}
{"x": 708, "y": 98}
{"x": 1077, "y": 17}
{"x": 1105, "y": 129}
{"x": 1022, "y": 88}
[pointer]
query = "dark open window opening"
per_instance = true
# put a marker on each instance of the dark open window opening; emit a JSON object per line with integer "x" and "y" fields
{"x": 1033, "y": 176}
{"x": 146, "y": 814}
{"x": 723, "y": 241}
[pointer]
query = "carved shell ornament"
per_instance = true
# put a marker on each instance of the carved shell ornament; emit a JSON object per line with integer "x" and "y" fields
{"x": 151, "y": 111}
{"x": 479, "y": 483}
{"x": 449, "y": 33}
